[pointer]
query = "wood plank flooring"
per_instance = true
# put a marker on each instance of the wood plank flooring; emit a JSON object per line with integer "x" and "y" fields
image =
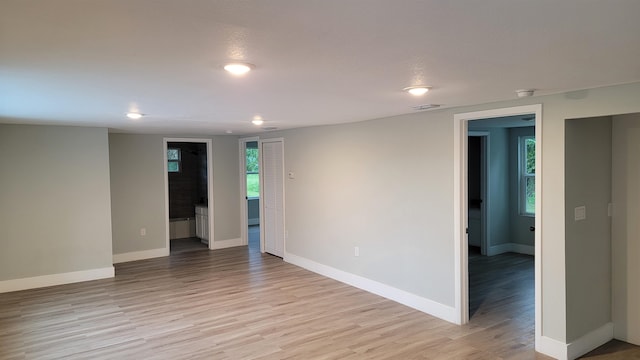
{"x": 239, "y": 304}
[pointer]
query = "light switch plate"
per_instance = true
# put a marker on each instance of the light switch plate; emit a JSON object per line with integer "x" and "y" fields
{"x": 580, "y": 213}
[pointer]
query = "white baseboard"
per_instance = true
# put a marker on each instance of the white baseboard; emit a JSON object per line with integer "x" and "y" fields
{"x": 523, "y": 249}
{"x": 140, "y": 255}
{"x": 590, "y": 341}
{"x": 498, "y": 249}
{"x": 223, "y": 244}
{"x": 56, "y": 279}
{"x": 577, "y": 348}
{"x": 511, "y": 247}
{"x": 550, "y": 347}
{"x": 425, "y": 305}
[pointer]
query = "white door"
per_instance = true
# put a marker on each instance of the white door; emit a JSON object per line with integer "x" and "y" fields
{"x": 272, "y": 195}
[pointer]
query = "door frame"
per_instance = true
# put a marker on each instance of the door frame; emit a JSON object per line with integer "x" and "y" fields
{"x": 484, "y": 176}
{"x": 208, "y": 144}
{"x": 460, "y": 207}
{"x": 262, "y": 203}
{"x": 244, "y": 209}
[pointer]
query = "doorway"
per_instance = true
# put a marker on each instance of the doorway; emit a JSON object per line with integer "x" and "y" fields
{"x": 250, "y": 189}
{"x": 188, "y": 194}
{"x": 478, "y": 142}
{"x": 461, "y": 207}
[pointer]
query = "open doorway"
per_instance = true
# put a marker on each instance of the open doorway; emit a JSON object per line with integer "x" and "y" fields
{"x": 501, "y": 218}
{"x": 250, "y": 202}
{"x": 489, "y": 285}
{"x": 188, "y": 195}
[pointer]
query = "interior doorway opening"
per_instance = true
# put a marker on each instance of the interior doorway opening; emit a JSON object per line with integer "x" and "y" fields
{"x": 188, "y": 194}
{"x": 464, "y": 257}
{"x": 501, "y": 217}
{"x": 250, "y": 192}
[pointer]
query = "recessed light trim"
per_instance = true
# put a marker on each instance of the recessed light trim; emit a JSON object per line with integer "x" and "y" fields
{"x": 417, "y": 90}
{"x": 134, "y": 115}
{"x": 238, "y": 68}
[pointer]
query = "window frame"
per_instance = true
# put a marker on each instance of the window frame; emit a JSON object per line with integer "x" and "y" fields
{"x": 523, "y": 175}
{"x": 247, "y": 173}
{"x": 174, "y": 161}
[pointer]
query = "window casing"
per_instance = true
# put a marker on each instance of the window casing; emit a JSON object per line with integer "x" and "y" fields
{"x": 527, "y": 169}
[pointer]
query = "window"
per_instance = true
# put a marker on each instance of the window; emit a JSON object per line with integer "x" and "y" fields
{"x": 173, "y": 160}
{"x": 527, "y": 165}
{"x": 253, "y": 179}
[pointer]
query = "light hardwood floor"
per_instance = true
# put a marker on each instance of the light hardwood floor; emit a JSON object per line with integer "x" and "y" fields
{"x": 239, "y": 304}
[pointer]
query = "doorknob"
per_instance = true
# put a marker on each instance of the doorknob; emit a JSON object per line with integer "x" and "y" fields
{"x": 532, "y": 228}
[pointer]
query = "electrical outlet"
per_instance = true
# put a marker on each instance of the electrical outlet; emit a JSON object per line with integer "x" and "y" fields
{"x": 143, "y": 231}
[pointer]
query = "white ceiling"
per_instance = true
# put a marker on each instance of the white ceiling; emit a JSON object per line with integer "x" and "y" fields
{"x": 88, "y": 62}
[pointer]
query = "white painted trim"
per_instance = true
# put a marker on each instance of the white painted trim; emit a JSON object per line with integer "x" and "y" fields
{"x": 425, "y": 305}
{"x": 511, "y": 247}
{"x": 223, "y": 244}
{"x": 578, "y": 347}
{"x": 550, "y": 347}
{"x": 56, "y": 279}
{"x": 140, "y": 255}
{"x": 590, "y": 341}
{"x": 460, "y": 208}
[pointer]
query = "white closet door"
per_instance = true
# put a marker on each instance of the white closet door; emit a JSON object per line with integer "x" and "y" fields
{"x": 273, "y": 196}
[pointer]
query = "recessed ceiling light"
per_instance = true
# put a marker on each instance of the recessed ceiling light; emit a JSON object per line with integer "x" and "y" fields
{"x": 417, "y": 90}
{"x": 229, "y": 131}
{"x": 239, "y": 68}
{"x": 134, "y": 115}
{"x": 257, "y": 120}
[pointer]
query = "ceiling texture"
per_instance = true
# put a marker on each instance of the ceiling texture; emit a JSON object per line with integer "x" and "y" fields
{"x": 89, "y": 62}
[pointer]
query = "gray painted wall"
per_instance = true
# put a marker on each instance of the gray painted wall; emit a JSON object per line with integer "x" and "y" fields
{"x": 226, "y": 187}
{"x": 588, "y": 242}
{"x": 55, "y": 214}
{"x": 138, "y": 193}
{"x": 625, "y": 227}
{"x": 519, "y": 225}
{"x": 401, "y": 217}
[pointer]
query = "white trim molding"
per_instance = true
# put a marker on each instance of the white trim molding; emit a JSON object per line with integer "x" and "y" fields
{"x": 461, "y": 287}
{"x": 590, "y": 341}
{"x": 578, "y": 347}
{"x": 140, "y": 255}
{"x": 551, "y": 347}
{"x": 223, "y": 244}
{"x": 419, "y": 303}
{"x": 56, "y": 279}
